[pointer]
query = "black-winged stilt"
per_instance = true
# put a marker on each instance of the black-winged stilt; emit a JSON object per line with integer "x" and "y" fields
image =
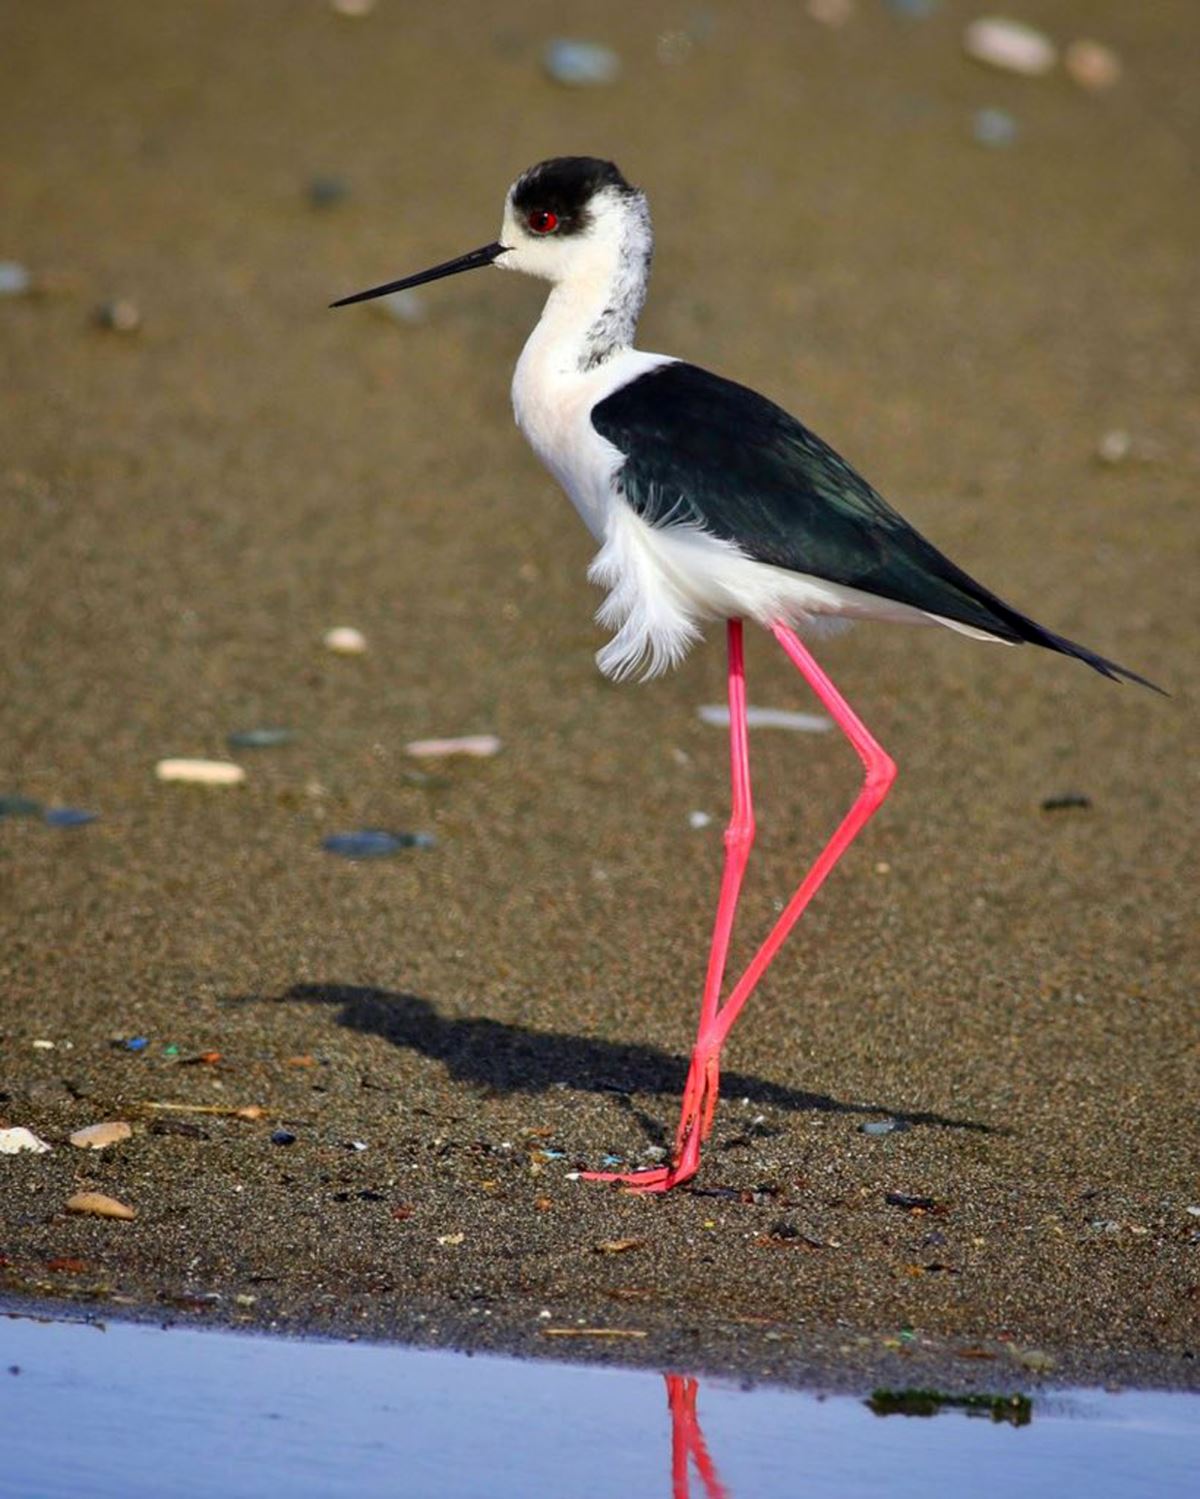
{"x": 709, "y": 503}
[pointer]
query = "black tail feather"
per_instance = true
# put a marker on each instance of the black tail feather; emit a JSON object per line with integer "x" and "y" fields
{"x": 1025, "y": 629}
{"x": 1102, "y": 664}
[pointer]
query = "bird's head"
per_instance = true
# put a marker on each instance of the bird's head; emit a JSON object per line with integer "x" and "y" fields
{"x": 572, "y": 218}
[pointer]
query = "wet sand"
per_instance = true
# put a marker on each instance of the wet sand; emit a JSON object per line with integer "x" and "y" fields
{"x": 189, "y": 507}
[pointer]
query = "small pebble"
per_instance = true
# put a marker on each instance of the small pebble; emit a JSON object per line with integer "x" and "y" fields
{"x": 833, "y": 13}
{"x": 580, "y": 64}
{"x": 479, "y": 745}
{"x": 908, "y": 1201}
{"x": 1114, "y": 447}
{"x": 673, "y": 48}
{"x": 326, "y": 190}
{"x": 19, "y": 806}
{"x": 1009, "y": 45}
{"x": 1066, "y": 801}
{"x": 98, "y": 1136}
{"x": 699, "y": 820}
{"x": 201, "y": 772}
{"x": 68, "y": 817}
{"x": 344, "y": 640}
{"x": 15, "y": 279}
{"x": 1092, "y": 65}
{"x": 402, "y": 307}
{"x": 259, "y": 738}
{"x": 717, "y": 714}
{"x": 994, "y": 127}
{"x": 374, "y": 843}
{"x": 98, "y": 1205}
{"x": 1194, "y": 1209}
{"x": 1033, "y": 1359}
{"x": 14, "y": 1141}
{"x": 883, "y": 1127}
{"x": 119, "y": 316}
{"x": 283, "y": 1137}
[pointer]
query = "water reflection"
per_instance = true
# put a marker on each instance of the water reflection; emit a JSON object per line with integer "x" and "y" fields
{"x": 688, "y": 1446}
{"x": 197, "y": 1414}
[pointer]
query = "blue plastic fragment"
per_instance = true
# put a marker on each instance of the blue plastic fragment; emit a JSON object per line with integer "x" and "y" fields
{"x": 136, "y": 1043}
{"x": 283, "y": 1137}
{"x": 68, "y": 817}
{"x": 611, "y": 1160}
{"x": 374, "y": 843}
{"x": 995, "y": 127}
{"x": 580, "y": 64}
{"x": 17, "y": 805}
{"x": 266, "y": 738}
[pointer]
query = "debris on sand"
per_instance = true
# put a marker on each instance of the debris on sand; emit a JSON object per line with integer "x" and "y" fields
{"x": 344, "y": 640}
{"x": 1009, "y": 45}
{"x": 100, "y": 1136}
{"x": 478, "y": 745}
{"x": 14, "y": 1141}
{"x": 201, "y": 772}
{"x": 98, "y": 1205}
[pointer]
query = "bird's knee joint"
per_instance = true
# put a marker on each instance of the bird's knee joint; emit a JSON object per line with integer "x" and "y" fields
{"x": 880, "y": 774}
{"x": 739, "y": 836}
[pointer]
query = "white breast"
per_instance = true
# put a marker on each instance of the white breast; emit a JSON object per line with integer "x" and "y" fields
{"x": 553, "y": 407}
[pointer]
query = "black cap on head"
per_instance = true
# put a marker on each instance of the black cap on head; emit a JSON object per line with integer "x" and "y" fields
{"x": 564, "y": 186}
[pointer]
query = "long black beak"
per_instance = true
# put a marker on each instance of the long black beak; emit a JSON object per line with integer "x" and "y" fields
{"x": 469, "y": 262}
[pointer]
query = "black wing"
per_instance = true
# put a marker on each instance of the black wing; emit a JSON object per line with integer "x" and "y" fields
{"x": 704, "y": 449}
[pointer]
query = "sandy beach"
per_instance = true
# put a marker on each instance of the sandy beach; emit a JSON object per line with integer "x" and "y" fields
{"x": 1003, "y": 337}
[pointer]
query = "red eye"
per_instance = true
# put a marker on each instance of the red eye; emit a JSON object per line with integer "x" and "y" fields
{"x": 542, "y": 221}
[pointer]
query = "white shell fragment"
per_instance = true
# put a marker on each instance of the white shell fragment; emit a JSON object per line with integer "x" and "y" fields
{"x": 1114, "y": 447}
{"x": 767, "y": 718}
{"x": 345, "y": 640}
{"x": 98, "y": 1205}
{"x": 201, "y": 772}
{"x": 97, "y": 1136}
{"x": 1010, "y": 45}
{"x": 479, "y": 745}
{"x": 14, "y": 1141}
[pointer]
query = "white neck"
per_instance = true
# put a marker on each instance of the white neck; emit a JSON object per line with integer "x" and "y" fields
{"x": 592, "y": 312}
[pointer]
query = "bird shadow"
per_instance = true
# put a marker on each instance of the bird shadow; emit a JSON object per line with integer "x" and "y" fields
{"x": 499, "y": 1057}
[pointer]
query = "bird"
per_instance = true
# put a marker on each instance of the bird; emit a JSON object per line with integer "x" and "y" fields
{"x": 709, "y": 503}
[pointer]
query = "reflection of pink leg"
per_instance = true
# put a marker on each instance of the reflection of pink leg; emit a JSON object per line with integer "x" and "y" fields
{"x": 700, "y": 1092}
{"x": 700, "y": 1098}
{"x": 687, "y": 1441}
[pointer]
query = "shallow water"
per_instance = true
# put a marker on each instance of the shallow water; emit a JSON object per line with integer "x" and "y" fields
{"x": 130, "y": 1410}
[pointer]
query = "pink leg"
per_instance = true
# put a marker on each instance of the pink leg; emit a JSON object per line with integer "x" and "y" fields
{"x": 700, "y": 1091}
{"x": 715, "y": 1027}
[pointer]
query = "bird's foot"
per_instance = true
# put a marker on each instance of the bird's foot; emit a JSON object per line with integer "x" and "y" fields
{"x": 695, "y": 1121}
{"x": 653, "y": 1179}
